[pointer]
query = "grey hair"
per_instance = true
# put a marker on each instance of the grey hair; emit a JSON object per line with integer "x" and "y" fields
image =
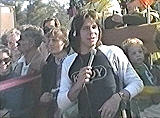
{"x": 33, "y": 33}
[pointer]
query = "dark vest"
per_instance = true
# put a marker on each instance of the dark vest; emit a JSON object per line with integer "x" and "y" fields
{"x": 101, "y": 87}
{"x": 49, "y": 72}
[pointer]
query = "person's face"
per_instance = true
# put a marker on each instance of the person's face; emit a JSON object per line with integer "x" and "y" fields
{"x": 136, "y": 54}
{"x": 23, "y": 44}
{"x": 5, "y": 63}
{"x": 12, "y": 41}
{"x": 50, "y": 24}
{"x": 55, "y": 45}
{"x": 89, "y": 34}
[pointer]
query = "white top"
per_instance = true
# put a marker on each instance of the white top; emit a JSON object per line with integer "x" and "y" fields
{"x": 24, "y": 67}
{"x": 132, "y": 82}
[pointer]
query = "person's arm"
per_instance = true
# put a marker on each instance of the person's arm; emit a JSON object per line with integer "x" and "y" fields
{"x": 68, "y": 90}
{"x": 84, "y": 73}
{"x": 123, "y": 69}
{"x": 62, "y": 99}
{"x": 126, "y": 74}
{"x": 74, "y": 91}
{"x": 111, "y": 106}
{"x": 133, "y": 83}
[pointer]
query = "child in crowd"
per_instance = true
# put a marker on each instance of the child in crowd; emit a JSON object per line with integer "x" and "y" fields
{"x": 136, "y": 52}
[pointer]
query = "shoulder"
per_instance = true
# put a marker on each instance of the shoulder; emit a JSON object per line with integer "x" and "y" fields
{"x": 116, "y": 57}
{"x": 110, "y": 49}
{"x": 70, "y": 58}
{"x": 68, "y": 61}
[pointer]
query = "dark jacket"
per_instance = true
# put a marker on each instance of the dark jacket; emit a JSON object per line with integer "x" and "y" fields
{"x": 12, "y": 99}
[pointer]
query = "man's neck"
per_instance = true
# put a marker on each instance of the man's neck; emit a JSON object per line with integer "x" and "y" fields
{"x": 84, "y": 50}
{"x": 29, "y": 56}
{"x": 60, "y": 55}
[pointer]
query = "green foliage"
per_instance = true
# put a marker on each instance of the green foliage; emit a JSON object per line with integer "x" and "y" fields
{"x": 36, "y": 12}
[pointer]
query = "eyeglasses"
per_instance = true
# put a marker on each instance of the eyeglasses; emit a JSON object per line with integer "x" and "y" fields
{"x": 5, "y": 60}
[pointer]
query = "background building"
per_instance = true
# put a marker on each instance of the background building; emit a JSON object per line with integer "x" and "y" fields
{"x": 6, "y": 18}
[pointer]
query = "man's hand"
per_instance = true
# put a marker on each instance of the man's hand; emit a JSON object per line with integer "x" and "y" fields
{"x": 110, "y": 107}
{"x": 84, "y": 74}
{"x": 46, "y": 97}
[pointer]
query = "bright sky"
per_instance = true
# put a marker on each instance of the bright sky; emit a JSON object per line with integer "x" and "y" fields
{"x": 62, "y": 2}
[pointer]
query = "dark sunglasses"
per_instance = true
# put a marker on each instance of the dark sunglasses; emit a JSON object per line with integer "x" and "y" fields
{"x": 5, "y": 60}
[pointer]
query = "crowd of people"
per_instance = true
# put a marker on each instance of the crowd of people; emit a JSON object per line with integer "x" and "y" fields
{"x": 79, "y": 76}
